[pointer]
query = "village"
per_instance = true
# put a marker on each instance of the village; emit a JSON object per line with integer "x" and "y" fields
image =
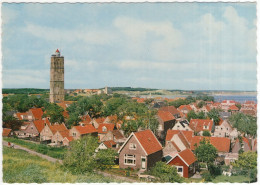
{"x": 174, "y": 141}
{"x": 153, "y": 138}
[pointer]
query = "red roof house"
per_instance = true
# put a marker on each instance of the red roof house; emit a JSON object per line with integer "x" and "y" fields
{"x": 184, "y": 162}
{"x": 6, "y": 132}
{"x": 140, "y": 151}
{"x": 199, "y": 125}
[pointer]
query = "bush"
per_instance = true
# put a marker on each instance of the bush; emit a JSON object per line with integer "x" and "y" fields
{"x": 80, "y": 157}
{"x": 106, "y": 158}
{"x": 215, "y": 170}
{"x": 166, "y": 173}
{"x": 207, "y": 176}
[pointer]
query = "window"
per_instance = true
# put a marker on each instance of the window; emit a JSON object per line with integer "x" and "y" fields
{"x": 129, "y": 159}
{"x": 104, "y": 129}
{"x": 179, "y": 169}
{"x": 221, "y": 128}
{"x": 227, "y": 128}
{"x": 31, "y": 127}
{"x": 132, "y": 146}
{"x": 74, "y": 134}
{"x": 205, "y": 127}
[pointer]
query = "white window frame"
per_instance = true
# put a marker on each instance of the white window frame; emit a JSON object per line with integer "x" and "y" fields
{"x": 132, "y": 146}
{"x": 181, "y": 173}
{"x": 129, "y": 157}
{"x": 104, "y": 129}
{"x": 142, "y": 157}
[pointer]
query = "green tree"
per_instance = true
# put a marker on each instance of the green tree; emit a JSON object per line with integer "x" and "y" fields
{"x": 11, "y": 122}
{"x": 105, "y": 158}
{"x": 214, "y": 114}
{"x": 206, "y": 133}
{"x": 206, "y": 152}
{"x": 80, "y": 157}
{"x": 247, "y": 162}
{"x": 201, "y": 104}
{"x": 166, "y": 173}
{"x": 244, "y": 123}
{"x": 191, "y": 115}
{"x": 55, "y": 113}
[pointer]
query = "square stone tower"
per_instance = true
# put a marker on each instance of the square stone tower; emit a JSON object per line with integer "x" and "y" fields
{"x": 57, "y": 78}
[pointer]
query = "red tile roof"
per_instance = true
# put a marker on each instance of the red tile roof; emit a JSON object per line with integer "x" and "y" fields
{"x": 70, "y": 138}
{"x": 6, "y": 132}
{"x": 37, "y": 113}
{"x": 87, "y": 129}
{"x": 165, "y": 115}
{"x": 222, "y": 144}
{"x": 233, "y": 107}
{"x": 64, "y": 133}
{"x": 39, "y": 124}
{"x": 185, "y": 107}
{"x": 109, "y": 144}
{"x": 100, "y": 120}
{"x": 57, "y": 127}
{"x": 188, "y": 134}
{"x": 174, "y": 144}
{"x": 148, "y": 141}
{"x": 109, "y": 126}
{"x": 188, "y": 156}
{"x": 20, "y": 114}
{"x": 171, "y": 109}
{"x": 198, "y": 124}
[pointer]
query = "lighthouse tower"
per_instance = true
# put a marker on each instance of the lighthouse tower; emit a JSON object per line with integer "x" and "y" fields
{"x": 57, "y": 78}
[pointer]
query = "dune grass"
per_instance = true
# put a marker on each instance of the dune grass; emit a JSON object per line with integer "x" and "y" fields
{"x": 40, "y": 148}
{"x": 22, "y": 167}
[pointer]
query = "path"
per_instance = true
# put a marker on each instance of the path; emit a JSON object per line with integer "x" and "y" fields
{"x": 51, "y": 159}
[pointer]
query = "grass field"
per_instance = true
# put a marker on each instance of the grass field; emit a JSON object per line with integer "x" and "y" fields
{"x": 21, "y": 167}
{"x": 41, "y": 148}
{"x": 231, "y": 179}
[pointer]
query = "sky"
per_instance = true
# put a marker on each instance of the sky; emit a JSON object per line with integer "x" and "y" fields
{"x": 188, "y": 46}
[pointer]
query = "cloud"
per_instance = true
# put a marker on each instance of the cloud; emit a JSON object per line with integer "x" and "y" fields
{"x": 158, "y": 39}
{"x": 98, "y": 37}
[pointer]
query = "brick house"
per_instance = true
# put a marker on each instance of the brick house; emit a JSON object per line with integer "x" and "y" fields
{"x": 185, "y": 109}
{"x": 177, "y": 141}
{"x": 59, "y": 136}
{"x": 49, "y": 130}
{"x": 35, "y": 127}
{"x": 67, "y": 140}
{"x": 181, "y": 124}
{"x": 223, "y": 129}
{"x": 116, "y": 136}
{"x": 200, "y": 125}
{"x": 140, "y": 151}
{"x": 166, "y": 121}
{"x": 172, "y": 110}
{"x": 104, "y": 128}
{"x": 78, "y": 131}
{"x": 35, "y": 114}
{"x": 185, "y": 163}
{"x": 243, "y": 144}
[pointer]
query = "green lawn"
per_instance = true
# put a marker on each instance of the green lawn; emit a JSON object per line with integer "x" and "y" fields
{"x": 232, "y": 179}
{"x": 41, "y": 148}
{"x": 22, "y": 167}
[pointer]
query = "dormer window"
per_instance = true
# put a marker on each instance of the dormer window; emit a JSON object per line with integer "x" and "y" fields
{"x": 205, "y": 126}
{"x": 104, "y": 129}
{"x": 132, "y": 146}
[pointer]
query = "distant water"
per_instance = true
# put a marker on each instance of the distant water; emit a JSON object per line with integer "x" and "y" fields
{"x": 218, "y": 98}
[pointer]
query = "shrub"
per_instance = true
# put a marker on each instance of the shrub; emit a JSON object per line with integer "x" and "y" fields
{"x": 207, "y": 176}
{"x": 80, "y": 157}
{"x": 166, "y": 173}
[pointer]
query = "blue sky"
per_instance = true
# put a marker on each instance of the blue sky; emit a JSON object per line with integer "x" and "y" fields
{"x": 190, "y": 46}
